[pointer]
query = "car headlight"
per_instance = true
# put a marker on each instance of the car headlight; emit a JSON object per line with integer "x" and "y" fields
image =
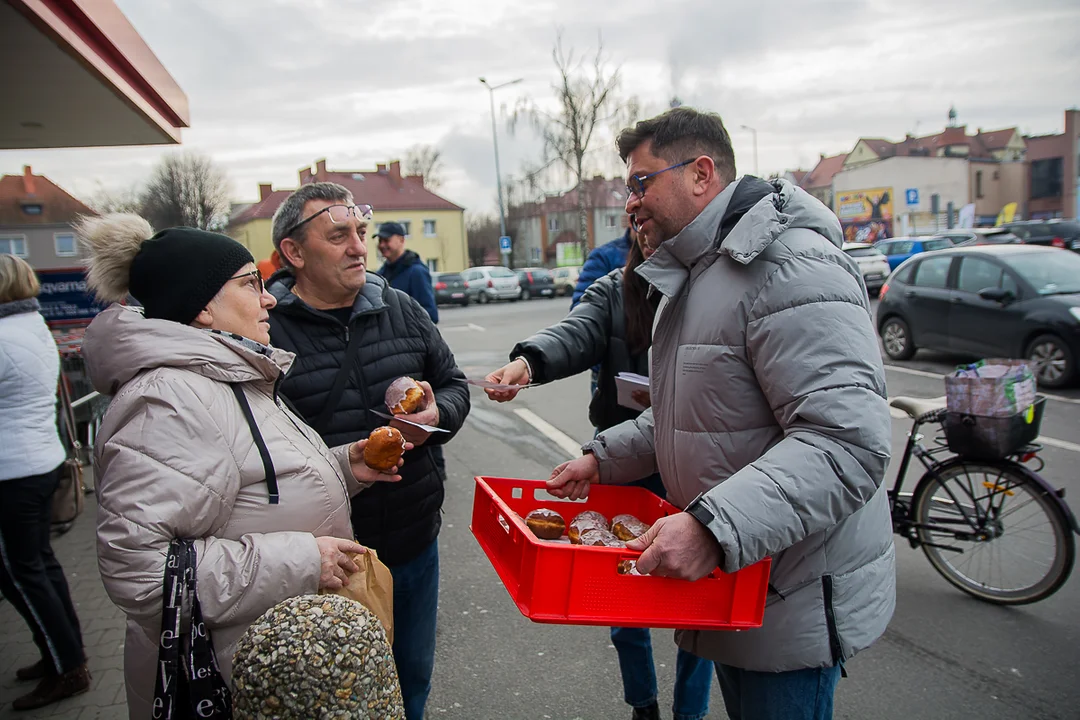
{"x": 1075, "y": 312}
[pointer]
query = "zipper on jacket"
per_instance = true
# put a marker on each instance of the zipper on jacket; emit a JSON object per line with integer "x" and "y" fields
{"x": 835, "y": 646}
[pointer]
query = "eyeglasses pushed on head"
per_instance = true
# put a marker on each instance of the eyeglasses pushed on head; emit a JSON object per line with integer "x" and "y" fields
{"x": 338, "y": 214}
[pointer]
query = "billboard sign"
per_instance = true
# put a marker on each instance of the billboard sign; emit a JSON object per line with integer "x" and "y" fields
{"x": 865, "y": 215}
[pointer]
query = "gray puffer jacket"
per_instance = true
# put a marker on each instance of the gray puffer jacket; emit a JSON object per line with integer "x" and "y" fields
{"x": 768, "y": 396}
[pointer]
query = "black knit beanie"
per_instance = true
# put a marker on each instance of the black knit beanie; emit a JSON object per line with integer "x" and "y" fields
{"x": 178, "y": 271}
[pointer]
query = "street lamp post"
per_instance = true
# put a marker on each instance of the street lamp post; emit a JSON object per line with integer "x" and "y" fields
{"x": 495, "y": 140}
{"x": 754, "y": 133}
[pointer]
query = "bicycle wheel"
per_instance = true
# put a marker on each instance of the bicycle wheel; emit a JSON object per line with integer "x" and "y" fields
{"x": 993, "y": 533}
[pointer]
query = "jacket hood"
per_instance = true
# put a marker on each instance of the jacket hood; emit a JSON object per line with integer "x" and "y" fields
{"x": 369, "y": 299}
{"x": 741, "y": 222}
{"x": 121, "y": 343}
{"x": 407, "y": 258}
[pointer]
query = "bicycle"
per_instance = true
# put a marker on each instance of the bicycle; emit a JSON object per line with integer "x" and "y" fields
{"x": 979, "y": 520}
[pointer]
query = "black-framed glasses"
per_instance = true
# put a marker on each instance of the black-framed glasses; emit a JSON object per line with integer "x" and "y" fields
{"x": 636, "y": 184}
{"x": 338, "y": 214}
{"x": 253, "y": 274}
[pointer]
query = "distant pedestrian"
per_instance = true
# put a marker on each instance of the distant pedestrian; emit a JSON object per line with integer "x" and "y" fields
{"x": 404, "y": 269}
{"x": 31, "y": 459}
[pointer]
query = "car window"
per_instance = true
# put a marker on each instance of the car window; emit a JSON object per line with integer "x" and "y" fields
{"x": 500, "y": 272}
{"x": 933, "y": 272}
{"x": 540, "y": 274}
{"x": 1022, "y": 232}
{"x": 903, "y": 274}
{"x": 1055, "y": 272}
{"x": 938, "y": 244}
{"x": 901, "y": 247}
{"x": 977, "y": 274}
{"x": 1008, "y": 282}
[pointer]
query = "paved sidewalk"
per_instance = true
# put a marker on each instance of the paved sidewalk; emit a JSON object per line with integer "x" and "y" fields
{"x": 102, "y": 629}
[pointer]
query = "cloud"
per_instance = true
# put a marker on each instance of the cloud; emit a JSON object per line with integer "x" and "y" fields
{"x": 275, "y": 84}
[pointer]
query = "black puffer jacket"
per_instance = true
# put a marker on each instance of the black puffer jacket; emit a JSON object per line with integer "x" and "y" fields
{"x": 399, "y": 520}
{"x": 594, "y": 332}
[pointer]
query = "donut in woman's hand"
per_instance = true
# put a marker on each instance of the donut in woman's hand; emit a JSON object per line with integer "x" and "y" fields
{"x": 588, "y": 520}
{"x": 404, "y": 396}
{"x": 546, "y": 524}
{"x": 384, "y": 449}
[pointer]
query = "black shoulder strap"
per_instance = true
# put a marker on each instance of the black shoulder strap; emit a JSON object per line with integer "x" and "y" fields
{"x": 334, "y": 399}
{"x": 268, "y": 464}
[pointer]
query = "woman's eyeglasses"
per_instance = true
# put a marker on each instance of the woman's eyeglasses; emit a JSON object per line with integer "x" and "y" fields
{"x": 338, "y": 214}
{"x": 257, "y": 280}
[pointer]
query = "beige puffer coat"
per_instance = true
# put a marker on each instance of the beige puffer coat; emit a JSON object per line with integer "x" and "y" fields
{"x": 176, "y": 458}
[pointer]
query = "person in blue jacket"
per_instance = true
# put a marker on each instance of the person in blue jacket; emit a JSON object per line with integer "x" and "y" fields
{"x": 404, "y": 269}
{"x": 600, "y": 262}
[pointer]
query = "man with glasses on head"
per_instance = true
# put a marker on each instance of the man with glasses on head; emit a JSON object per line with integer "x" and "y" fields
{"x": 404, "y": 269}
{"x": 353, "y": 335}
{"x": 769, "y": 422}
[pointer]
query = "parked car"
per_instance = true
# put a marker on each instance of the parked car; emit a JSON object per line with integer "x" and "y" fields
{"x": 1058, "y": 233}
{"x": 565, "y": 279}
{"x": 1018, "y": 301}
{"x": 450, "y": 289}
{"x": 980, "y": 236}
{"x": 536, "y": 282}
{"x": 488, "y": 283}
{"x": 897, "y": 250}
{"x": 872, "y": 264}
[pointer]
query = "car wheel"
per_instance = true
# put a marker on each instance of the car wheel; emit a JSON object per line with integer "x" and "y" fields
{"x": 465, "y": 302}
{"x": 525, "y": 294}
{"x": 896, "y": 337}
{"x": 483, "y": 298}
{"x": 1051, "y": 360}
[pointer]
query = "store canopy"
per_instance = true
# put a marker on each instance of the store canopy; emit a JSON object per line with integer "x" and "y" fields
{"x": 75, "y": 73}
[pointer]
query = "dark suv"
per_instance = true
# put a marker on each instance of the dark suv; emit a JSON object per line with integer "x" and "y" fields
{"x": 536, "y": 282}
{"x": 1057, "y": 233}
{"x": 449, "y": 288}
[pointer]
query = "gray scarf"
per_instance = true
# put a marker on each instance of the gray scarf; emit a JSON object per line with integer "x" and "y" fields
{"x": 19, "y": 306}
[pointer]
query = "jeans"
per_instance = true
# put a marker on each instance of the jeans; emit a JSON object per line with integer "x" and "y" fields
{"x": 693, "y": 675}
{"x": 793, "y": 695}
{"x": 30, "y": 575}
{"x": 416, "y": 602}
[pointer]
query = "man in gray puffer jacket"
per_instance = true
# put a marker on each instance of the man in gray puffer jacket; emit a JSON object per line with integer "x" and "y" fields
{"x": 769, "y": 419}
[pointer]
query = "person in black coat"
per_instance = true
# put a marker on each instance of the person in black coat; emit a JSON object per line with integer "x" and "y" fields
{"x": 612, "y": 326}
{"x": 353, "y": 335}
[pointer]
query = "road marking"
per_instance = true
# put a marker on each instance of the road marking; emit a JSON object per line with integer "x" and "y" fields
{"x": 470, "y": 327}
{"x": 552, "y": 433}
{"x": 1062, "y": 444}
{"x": 938, "y": 376}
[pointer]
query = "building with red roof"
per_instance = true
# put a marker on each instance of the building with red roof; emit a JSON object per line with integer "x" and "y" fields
{"x": 36, "y": 218}
{"x": 435, "y": 226}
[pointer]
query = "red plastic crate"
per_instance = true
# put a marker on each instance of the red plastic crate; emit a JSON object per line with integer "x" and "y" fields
{"x": 578, "y": 585}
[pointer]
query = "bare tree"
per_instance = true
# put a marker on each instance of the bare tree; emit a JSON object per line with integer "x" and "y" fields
{"x": 587, "y": 100}
{"x": 122, "y": 200}
{"x": 426, "y": 161}
{"x": 186, "y": 189}
{"x": 483, "y": 236}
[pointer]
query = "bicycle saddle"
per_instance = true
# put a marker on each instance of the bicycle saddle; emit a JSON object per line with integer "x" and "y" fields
{"x": 917, "y": 407}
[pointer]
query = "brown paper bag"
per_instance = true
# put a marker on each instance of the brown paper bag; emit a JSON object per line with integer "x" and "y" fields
{"x": 373, "y": 587}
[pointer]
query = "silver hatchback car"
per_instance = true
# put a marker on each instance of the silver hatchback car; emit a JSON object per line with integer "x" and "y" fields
{"x": 488, "y": 283}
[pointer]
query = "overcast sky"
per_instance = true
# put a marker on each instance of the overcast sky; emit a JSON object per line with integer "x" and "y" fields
{"x": 274, "y": 85}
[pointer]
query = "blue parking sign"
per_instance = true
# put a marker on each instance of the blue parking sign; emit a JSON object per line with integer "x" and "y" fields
{"x": 504, "y": 243}
{"x": 912, "y": 196}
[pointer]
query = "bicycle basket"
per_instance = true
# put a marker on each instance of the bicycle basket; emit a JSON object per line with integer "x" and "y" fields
{"x": 990, "y": 438}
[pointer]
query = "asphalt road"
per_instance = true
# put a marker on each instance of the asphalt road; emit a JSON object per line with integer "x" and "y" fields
{"x": 945, "y": 655}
